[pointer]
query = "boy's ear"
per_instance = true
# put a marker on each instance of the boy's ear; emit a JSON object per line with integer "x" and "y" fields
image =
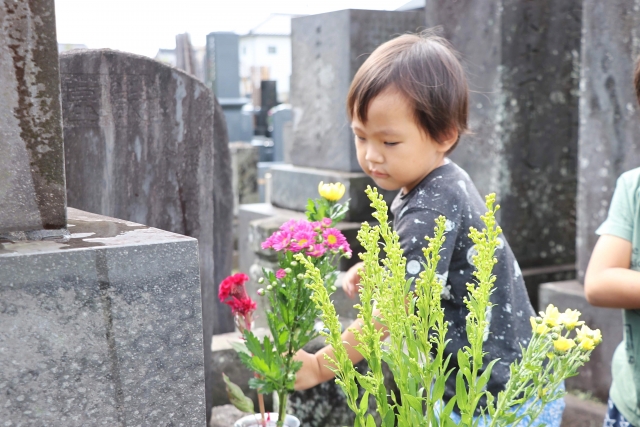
{"x": 448, "y": 139}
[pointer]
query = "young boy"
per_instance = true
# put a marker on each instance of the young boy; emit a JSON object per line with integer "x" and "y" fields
{"x": 613, "y": 280}
{"x": 408, "y": 105}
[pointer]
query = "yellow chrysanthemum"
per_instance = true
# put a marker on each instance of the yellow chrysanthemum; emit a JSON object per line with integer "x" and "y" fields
{"x": 331, "y": 191}
{"x": 597, "y": 336}
{"x": 587, "y": 334}
{"x": 570, "y": 319}
{"x": 538, "y": 328}
{"x": 551, "y": 317}
{"x": 587, "y": 344}
{"x": 562, "y": 345}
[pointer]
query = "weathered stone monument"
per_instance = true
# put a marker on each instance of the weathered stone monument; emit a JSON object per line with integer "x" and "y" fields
{"x": 222, "y": 75}
{"x": 608, "y": 146}
{"x": 32, "y": 195}
{"x": 147, "y": 143}
{"x": 522, "y": 60}
{"x": 101, "y": 324}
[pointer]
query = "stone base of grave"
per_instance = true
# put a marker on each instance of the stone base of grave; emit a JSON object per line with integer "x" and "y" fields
{"x": 582, "y": 413}
{"x": 595, "y": 376}
{"x": 292, "y": 186}
{"x": 536, "y": 276}
{"x": 104, "y": 328}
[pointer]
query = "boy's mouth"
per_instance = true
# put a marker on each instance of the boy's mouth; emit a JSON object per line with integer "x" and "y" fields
{"x": 378, "y": 174}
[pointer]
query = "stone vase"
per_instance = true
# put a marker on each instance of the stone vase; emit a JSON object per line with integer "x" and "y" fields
{"x": 255, "y": 421}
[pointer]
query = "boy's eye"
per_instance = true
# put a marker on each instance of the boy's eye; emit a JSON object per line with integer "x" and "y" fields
{"x": 360, "y": 138}
{"x": 391, "y": 143}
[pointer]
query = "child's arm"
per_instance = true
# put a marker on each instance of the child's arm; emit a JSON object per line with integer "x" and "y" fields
{"x": 608, "y": 281}
{"x": 314, "y": 366}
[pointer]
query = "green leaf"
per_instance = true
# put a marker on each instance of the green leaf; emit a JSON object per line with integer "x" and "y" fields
{"x": 240, "y": 347}
{"x": 484, "y": 378}
{"x": 237, "y": 397}
{"x": 370, "y": 421}
{"x": 461, "y": 390}
{"x": 389, "y": 419}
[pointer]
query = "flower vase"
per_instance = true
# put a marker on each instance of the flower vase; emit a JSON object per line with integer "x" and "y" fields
{"x": 255, "y": 420}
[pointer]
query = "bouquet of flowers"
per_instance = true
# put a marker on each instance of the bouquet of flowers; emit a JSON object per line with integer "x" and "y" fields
{"x": 417, "y": 330}
{"x": 292, "y": 313}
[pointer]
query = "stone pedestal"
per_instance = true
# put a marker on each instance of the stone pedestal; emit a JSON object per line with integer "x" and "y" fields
{"x": 32, "y": 187}
{"x": 102, "y": 328}
{"x": 292, "y": 186}
{"x": 595, "y": 376}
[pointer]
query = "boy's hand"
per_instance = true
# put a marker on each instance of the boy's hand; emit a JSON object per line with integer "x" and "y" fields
{"x": 309, "y": 374}
{"x": 351, "y": 280}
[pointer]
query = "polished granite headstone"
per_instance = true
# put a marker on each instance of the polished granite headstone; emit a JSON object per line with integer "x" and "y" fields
{"x": 32, "y": 188}
{"x": 522, "y": 61}
{"x": 102, "y": 328}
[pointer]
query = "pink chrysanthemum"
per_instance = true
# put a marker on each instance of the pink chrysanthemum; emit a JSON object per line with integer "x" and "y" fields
{"x": 317, "y": 250}
{"x": 278, "y": 241}
{"x": 281, "y": 273}
{"x": 326, "y": 222}
{"x": 303, "y": 239}
{"x": 290, "y": 225}
{"x": 334, "y": 239}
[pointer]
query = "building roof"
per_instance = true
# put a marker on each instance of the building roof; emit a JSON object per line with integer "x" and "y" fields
{"x": 412, "y": 5}
{"x": 277, "y": 24}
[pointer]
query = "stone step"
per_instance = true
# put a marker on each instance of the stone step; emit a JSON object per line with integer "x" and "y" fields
{"x": 582, "y": 413}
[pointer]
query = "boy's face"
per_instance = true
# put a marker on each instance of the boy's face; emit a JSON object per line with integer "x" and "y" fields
{"x": 391, "y": 148}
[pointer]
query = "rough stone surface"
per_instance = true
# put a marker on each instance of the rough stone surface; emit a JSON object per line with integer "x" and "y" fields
{"x": 327, "y": 50}
{"x": 102, "y": 328}
{"x": 609, "y": 123}
{"x": 148, "y": 143}
{"x": 244, "y": 166}
{"x": 32, "y": 187}
{"x": 292, "y": 186}
{"x": 595, "y": 376}
{"x": 522, "y": 59}
{"x": 582, "y": 413}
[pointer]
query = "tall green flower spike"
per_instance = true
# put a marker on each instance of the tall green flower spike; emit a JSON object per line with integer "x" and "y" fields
{"x": 417, "y": 332}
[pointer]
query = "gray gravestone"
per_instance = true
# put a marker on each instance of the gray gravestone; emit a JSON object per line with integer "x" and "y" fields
{"x": 609, "y": 122}
{"x": 268, "y": 100}
{"x": 185, "y": 57}
{"x": 102, "y": 329}
{"x": 522, "y": 61}
{"x": 147, "y": 143}
{"x": 32, "y": 187}
{"x": 327, "y": 50}
{"x": 279, "y": 116}
{"x": 222, "y": 75}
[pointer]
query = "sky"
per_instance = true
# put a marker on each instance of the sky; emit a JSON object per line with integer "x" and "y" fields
{"x": 144, "y": 26}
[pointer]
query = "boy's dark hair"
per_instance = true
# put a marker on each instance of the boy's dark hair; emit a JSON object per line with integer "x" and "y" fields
{"x": 425, "y": 69}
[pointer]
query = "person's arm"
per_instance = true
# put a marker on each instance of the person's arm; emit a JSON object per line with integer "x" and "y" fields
{"x": 608, "y": 281}
{"x": 314, "y": 366}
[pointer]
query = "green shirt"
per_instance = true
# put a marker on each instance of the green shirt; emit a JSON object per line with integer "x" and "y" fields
{"x": 624, "y": 221}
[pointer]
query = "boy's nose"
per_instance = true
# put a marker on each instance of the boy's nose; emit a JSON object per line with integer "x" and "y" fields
{"x": 373, "y": 155}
